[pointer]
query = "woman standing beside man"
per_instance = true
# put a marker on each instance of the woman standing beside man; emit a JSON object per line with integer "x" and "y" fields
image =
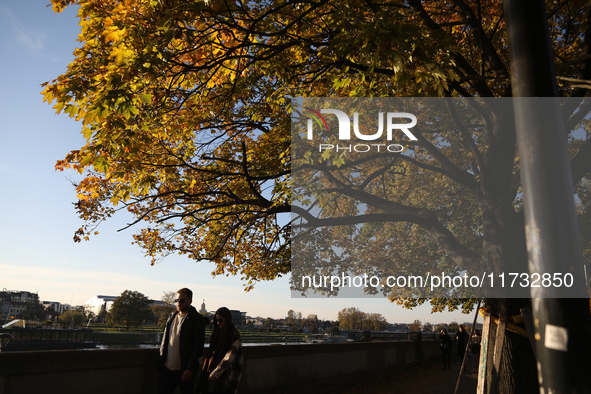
{"x": 222, "y": 366}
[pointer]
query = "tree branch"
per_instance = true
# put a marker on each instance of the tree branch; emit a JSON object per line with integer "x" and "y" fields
{"x": 462, "y": 256}
{"x": 462, "y": 64}
{"x": 581, "y": 163}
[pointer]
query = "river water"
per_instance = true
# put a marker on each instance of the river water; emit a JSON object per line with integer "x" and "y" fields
{"x": 151, "y": 346}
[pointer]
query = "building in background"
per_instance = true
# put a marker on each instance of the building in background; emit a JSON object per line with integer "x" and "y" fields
{"x": 57, "y": 307}
{"x": 238, "y": 318}
{"x": 4, "y": 304}
{"x": 19, "y": 304}
{"x": 18, "y": 309}
{"x": 23, "y": 296}
{"x": 203, "y": 311}
{"x": 99, "y": 303}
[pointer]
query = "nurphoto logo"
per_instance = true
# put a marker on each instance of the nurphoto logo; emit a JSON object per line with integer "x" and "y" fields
{"x": 392, "y": 123}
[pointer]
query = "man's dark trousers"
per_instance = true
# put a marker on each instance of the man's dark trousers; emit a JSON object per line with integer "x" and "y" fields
{"x": 170, "y": 379}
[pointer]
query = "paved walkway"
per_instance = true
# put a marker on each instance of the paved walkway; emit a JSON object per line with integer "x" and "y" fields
{"x": 430, "y": 379}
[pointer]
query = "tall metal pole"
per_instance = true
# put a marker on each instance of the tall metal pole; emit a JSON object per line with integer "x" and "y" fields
{"x": 562, "y": 325}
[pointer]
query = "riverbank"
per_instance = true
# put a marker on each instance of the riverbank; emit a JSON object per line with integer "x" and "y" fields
{"x": 43, "y": 338}
{"x": 147, "y": 337}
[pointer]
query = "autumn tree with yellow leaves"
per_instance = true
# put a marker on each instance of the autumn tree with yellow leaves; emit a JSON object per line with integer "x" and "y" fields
{"x": 185, "y": 107}
{"x": 355, "y": 319}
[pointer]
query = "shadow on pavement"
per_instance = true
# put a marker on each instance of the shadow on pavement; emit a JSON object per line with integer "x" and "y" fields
{"x": 428, "y": 379}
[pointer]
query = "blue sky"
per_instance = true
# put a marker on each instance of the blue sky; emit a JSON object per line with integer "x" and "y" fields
{"x": 37, "y": 218}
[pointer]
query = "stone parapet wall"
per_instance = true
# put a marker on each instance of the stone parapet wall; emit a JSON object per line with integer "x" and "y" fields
{"x": 284, "y": 369}
{"x": 79, "y": 371}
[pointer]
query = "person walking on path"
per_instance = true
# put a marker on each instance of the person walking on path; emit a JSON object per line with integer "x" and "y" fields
{"x": 445, "y": 348}
{"x": 419, "y": 348}
{"x": 223, "y": 362}
{"x": 462, "y": 341}
{"x": 181, "y": 347}
{"x": 475, "y": 347}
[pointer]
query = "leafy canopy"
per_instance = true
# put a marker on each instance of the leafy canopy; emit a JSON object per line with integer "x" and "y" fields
{"x": 186, "y": 113}
{"x": 75, "y": 318}
{"x": 161, "y": 311}
{"x": 355, "y": 319}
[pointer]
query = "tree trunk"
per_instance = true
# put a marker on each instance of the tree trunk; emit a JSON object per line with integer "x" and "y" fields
{"x": 504, "y": 250}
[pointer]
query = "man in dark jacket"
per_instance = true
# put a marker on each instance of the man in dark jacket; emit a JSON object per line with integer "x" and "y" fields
{"x": 182, "y": 345}
{"x": 445, "y": 348}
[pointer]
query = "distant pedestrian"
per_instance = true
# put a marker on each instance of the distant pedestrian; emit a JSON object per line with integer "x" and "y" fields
{"x": 182, "y": 346}
{"x": 445, "y": 348}
{"x": 461, "y": 341}
{"x": 475, "y": 347}
{"x": 223, "y": 362}
{"x": 419, "y": 348}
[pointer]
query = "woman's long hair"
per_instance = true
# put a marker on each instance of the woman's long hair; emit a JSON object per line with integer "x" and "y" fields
{"x": 221, "y": 338}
